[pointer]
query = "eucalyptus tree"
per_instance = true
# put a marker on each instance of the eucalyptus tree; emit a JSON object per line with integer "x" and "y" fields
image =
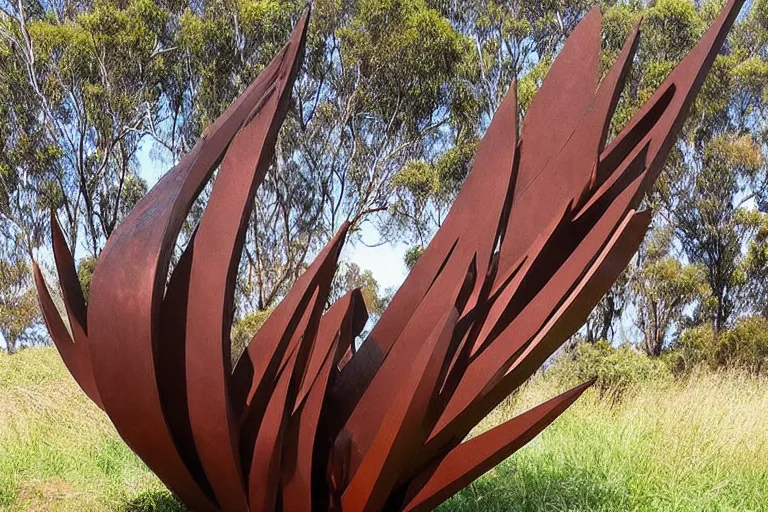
{"x": 19, "y": 316}
{"x": 663, "y": 290}
{"x": 382, "y": 128}
{"x": 90, "y": 78}
{"x": 106, "y": 80}
{"x": 710, "y": 191}
{"x": 508, "y": 42}
{"x": 373, "y": 94}
{"x": 715, "y": 175}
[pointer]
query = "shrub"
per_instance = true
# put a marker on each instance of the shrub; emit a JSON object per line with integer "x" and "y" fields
{"x": 695, "y": 347}
{"x": 745, "y": 346}
{"x": 617, "y": 369}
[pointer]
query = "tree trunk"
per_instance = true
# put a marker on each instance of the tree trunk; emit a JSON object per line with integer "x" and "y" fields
{"x": 608, "y": 312}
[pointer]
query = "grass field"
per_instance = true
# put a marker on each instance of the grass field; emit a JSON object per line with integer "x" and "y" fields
{"x": 698, "y": 445}
{"x": 58, "y": 451}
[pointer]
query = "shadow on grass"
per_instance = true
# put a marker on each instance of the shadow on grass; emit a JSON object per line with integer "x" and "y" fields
{"x": 508, "y": 488}
{"x": 153, "y": 501}
{"x": 512, "y": 488}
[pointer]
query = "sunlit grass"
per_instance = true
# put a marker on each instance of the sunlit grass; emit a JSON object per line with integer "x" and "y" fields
{"x": 695, "y": 445}
{"x": 58, "y": 451}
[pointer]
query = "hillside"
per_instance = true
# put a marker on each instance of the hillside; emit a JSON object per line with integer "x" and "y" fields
{"x": 696, "y": 445}
{"x": 58, "y": 451}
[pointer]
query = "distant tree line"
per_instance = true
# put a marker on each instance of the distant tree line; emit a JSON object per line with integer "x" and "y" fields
{"x": 386, "y": 113}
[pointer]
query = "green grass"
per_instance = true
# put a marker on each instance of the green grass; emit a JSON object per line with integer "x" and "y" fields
{"x": 59, "y": 452}
{"x": 694, "y": 445}
{"x": 698, "y": 445}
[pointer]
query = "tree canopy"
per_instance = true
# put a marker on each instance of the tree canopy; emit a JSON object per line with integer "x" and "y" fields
{"x": 382, "y": 128}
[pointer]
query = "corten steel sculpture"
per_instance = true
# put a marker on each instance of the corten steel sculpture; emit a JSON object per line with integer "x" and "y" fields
{"x": 540, "y": 230}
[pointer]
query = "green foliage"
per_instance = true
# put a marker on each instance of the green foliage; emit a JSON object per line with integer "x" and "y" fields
{"x": 412, "y": 256}
{"x": 19, "y": 313}
{"x": 713, "y": 228}
{"x": 85, "y": 268}
{"x": 420, "y": 179}
{"x": 618, "y": 22}
{"x": 387, "y": 41}
{"x": 424, "y": 192}
{"x": 350, "y": 276}
{"x": 663, "y": 287}
{"x": 745, "y": 346}
{"x": 673, "y": 26}
{"x": 244, "y": 329}
{"x": 530, "y": 83}
{"x": 92, "y": 79}
{"x": 616, "y": 369}
{"x": 454, "y": 166}
{"x": 694, "y": 348}
{"x": 755, "y": 269}
{"x": 217, "y": 58}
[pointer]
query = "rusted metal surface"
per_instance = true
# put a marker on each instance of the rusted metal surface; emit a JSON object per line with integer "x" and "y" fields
{"x": 541, "y": 229}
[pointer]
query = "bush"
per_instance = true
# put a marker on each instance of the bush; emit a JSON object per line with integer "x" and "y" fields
{"x": 745, "y": 346}
{"x": 695, "y": 347}
{"x": 616, "y": 368}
